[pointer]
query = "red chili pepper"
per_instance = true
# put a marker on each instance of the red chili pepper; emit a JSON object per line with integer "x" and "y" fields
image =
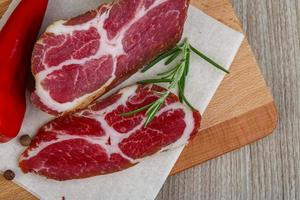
{"x": 17, "y": 39}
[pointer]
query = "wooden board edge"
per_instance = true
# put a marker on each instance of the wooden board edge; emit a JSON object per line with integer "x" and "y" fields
{"x": 258, "y": 118}
{"x": 12, "y": 191}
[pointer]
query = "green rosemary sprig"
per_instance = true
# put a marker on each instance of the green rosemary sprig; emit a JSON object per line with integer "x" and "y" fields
{"x": 175, "y": 77}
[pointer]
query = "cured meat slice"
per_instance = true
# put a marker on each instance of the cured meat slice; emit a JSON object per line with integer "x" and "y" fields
{"x": 99, "y": 140}
{"x": 78, "y": 60}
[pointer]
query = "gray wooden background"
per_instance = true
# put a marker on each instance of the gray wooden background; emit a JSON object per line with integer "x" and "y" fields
{"x": 270, "y": 168}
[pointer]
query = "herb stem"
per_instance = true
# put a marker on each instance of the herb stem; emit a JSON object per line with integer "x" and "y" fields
{"x": 208, "y": 59}
{"x": 155, "y": 81}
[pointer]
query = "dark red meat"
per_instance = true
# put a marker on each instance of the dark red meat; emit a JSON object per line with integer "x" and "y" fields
{"x": 78, "y": 60}
{"x": 98, "y": 140}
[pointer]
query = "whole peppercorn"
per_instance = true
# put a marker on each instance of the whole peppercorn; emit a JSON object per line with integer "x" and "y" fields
{"x": 25, "y": 140}
{"x": 9, "y": 175}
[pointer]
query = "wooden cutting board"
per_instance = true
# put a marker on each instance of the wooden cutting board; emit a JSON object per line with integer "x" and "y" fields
{"x": 241, "y": 112}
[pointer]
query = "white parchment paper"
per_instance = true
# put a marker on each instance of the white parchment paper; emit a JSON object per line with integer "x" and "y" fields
{"x": 143, "y": 181}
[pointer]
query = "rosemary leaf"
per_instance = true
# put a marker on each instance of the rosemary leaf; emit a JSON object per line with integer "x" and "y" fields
{"x": 177, "y": 76}
{"x": 155, "y": 81}
{"x": 152, "y": 114}
{"x": 159, "y": 93}
{"x": 155, "y": 107}
{"x": 182, "y": 84}
{"x": 187, "y": 63}
{"x": 128, "y": 114}
{"x": 188, "y": 103}
{"x": 180, "y": 93}
{"x": 159, "y": 58}
{"x": 172, "y": 58}
{"x": 169, "y": 72}
{"x": 182, "y": 43}
{"x": 208, "y": 59}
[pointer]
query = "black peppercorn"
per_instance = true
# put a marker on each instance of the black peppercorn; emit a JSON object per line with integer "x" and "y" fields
{"x": 25, "y": 140}
{"x": 9, "y": 175}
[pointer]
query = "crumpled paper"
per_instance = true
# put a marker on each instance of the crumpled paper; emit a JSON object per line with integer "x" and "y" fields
{"x": 143, "y": 181}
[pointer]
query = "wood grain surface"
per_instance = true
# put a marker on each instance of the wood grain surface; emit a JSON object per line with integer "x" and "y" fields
{"x": 268, "y": 169}
{"x": 230, "y": 121}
